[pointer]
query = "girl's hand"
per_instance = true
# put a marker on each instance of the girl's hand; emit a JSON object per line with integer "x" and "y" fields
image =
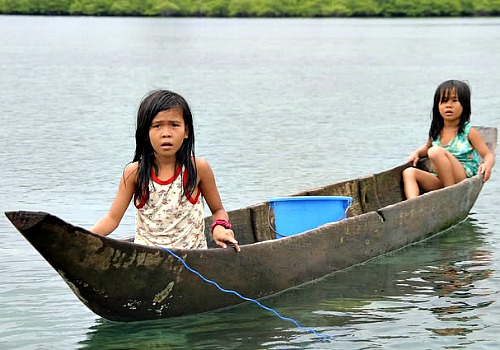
{"x": 485, "y": 169}
{"x": 223, "y": 237}
{"x": 413, "y": 158}
{"x": 488, "y": 158}
{"x": 415, "y": 155}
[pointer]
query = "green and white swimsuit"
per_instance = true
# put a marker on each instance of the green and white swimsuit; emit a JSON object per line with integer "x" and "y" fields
{"x": 462, "y": 149}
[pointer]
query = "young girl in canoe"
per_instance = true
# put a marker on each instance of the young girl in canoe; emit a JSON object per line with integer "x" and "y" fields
{"x": 453, "y": 146}
{"x": 166, "y": 181}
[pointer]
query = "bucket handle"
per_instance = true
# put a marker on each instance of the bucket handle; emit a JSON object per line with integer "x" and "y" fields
{"x": 269, "y": 223}
{"x": 344, "y": 216}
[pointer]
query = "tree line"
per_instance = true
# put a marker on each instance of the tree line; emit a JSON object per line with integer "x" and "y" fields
{"x": 254, "y": 8}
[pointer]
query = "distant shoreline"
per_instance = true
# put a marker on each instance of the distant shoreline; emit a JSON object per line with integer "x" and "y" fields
{"x": 244, "y": 17}
{"x": 255, "y": 8}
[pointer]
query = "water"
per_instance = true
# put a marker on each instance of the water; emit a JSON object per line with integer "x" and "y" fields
{"x": 280, "y": 105}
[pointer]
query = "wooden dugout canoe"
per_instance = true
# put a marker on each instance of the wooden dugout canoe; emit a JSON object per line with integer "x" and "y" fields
{"x": 123, "y": 281}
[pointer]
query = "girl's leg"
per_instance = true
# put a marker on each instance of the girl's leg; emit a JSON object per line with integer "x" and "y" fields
{"x": 448, "y": 168}
{"x": 415, "y": 180}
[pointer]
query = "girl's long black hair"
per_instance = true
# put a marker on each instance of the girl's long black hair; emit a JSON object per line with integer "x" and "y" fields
{"x": 153, "y": 103}
{"x": 442, "y": 94}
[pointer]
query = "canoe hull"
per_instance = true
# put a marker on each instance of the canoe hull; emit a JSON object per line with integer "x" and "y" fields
{"x": 123, "y": 281}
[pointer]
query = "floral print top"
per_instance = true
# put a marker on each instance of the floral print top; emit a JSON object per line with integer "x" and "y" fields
{"x": 170, "y": 217}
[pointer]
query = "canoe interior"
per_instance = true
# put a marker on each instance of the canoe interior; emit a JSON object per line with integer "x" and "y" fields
{"x": 256, "y": 223}
{"x": 371, "y": 193}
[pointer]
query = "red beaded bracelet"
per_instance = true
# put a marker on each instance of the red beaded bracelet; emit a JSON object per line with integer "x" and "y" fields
{"x": 222, "y": 223}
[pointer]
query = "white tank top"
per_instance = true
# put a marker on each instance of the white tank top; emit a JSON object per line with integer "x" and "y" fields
{"x": 170, "y": 217}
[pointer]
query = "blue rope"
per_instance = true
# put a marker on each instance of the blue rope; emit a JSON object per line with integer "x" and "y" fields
{"x": 243, "y": 297}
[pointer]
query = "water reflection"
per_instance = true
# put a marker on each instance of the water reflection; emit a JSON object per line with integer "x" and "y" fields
{"x": 230, "y": 329}
{"x": 436, "y": 283}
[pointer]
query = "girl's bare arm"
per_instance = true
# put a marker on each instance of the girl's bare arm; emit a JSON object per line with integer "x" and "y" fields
{"x": 480, "y": 146}
{"x": 111, "y": 220}
{"x": 208, "y": 188}
{"x": 419, "y": 153}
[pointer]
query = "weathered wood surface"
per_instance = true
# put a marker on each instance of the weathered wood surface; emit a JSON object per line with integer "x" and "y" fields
{"x": 123, "y": 281}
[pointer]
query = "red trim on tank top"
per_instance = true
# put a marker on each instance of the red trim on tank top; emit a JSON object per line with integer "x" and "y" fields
{"x": 169, "y": 181}
{"x": 188, "y": 195}
{"x": 165, "y": 182}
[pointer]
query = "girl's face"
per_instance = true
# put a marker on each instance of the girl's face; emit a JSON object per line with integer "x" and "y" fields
{"x": 167, "y": 133}
{"x": 450, "y": 107}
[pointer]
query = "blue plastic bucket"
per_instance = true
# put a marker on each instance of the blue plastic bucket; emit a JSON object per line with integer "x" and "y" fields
{"x": 294, "y": 215}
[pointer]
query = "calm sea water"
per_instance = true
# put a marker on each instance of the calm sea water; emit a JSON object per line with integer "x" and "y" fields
{"x": 280, "y": 105}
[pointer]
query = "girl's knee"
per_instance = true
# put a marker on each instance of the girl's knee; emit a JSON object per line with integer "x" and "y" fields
{"x": 409, "y": 173}
{"x": 435, "y": 152}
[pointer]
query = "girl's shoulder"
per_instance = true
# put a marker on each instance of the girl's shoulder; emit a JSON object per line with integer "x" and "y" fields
{"x": 201, "y": 164}
{"x": 131, "y": 167}
{"x": 130, "y": 172}
{"x": 473, "y": 132}
{"x": 470, "y": 131}
{"x": 200, "y": 161}
{"x": 203, "y": 168}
